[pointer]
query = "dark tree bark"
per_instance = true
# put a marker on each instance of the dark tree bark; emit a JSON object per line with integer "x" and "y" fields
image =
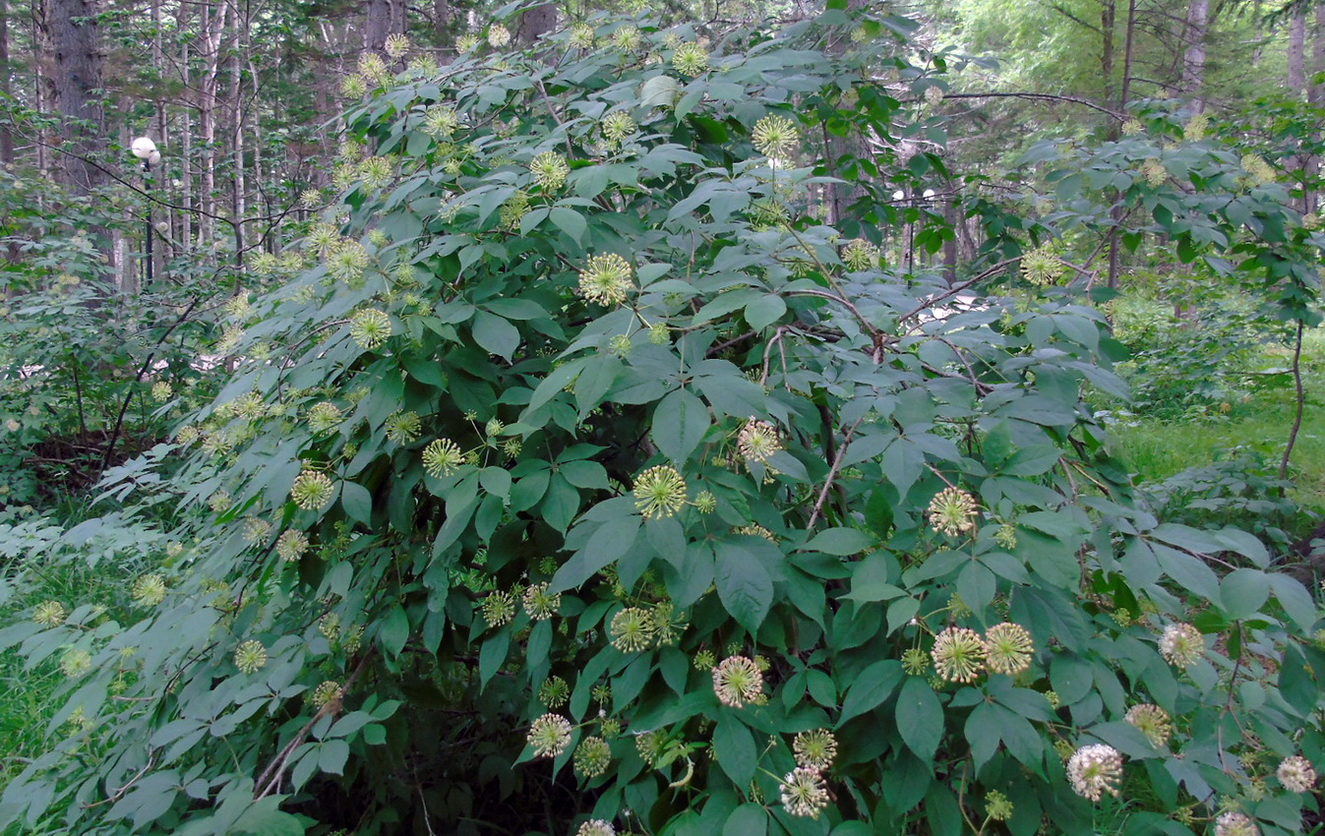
{"x": 6, "y": 89}
{"x": 382, "y": 19}
{"x": 67, "y": 30}
{"x": 536, "y": 22}
{"x": 1129, "y": 42}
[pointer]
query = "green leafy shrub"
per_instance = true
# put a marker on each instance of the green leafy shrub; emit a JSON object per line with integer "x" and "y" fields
{"x": 590, "y": 483}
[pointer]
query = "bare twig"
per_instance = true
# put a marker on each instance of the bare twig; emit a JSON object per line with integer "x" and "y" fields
{"x": 832, "y": 472}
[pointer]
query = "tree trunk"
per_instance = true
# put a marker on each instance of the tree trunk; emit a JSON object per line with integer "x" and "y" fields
{"x": 68, "y": 36}
{"x": 6, "y": 90}
{"x": 1108, "y": 19}
{"x": 1129, "y": 41}
{"x": 1315, "y": 91}
{"x": 1193, "y": 61}
{"x": 1297, "y": 40}
{"x": 536, "y": 22}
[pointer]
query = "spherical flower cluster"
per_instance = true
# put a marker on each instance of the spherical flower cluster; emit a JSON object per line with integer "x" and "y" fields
{"x": 1152, "y": 721}
{"x": 933, "y": 94}
{"x": 592, "y": 757}
{"x": 756, "y": 530}
{"x": 758, "y": 441}
{"x": 372, "y": 68}
{"x": 498, "y": 36}
{"x": 549, "y": 735}
{"x": 915, "y": 662}
{"x": 1008, "y": 648}
{"x": 513, "y": 210}
{"x": 161, "y": 391}
{"x": 220, "y": 501}
{"x": 370, "y": 328}
{"x": 1133, "y": 127}
{"x": 815, "y": 749}
{"x": 1194, "y": 130}
{"x": 352, "y": 640}
{"x": 441, "y": 121}
{"x": 256, "y": 529}
{"x": 312, "y": 490}
{"x": 329, "y": 626}
{"x": 498, "y": 608}
{"x": 632, "y": 630}
{"x": 1296, "y": 774}
{"x": 804, "y": 793}
{"x": 660, "y": 492}
{"x": 494, "y": 427}
{"x": 396, "y": 46}
{"x": 539, "y": 603}
{"x": 958, "y": 654}
{"x": 626, "y": 37}
{"x": 347, "y": 262}
{"x": 403, "y": 427}
{"x": 860, "y": 254}
{"x": 775, "y": 136}
{"x": 75, "y": 662}
{"x": 1095, "y": 770}
{"x": 353, "y": 86}
{"x": 1041, "y": 267}
{"x": 466, "y": 43}
{"x": 1233, "y": 823}
{"x": 554, "y": 692}
{"x": 952, "y": 511}
{"x": 441, "y": 457}
{"x": 706, "y": 502}
{"x": 323, "y": 416}
{"x": 549, "y": 170}
{"x": 291, "y": 545}
{"x": 616, "y": 127}
{"x": 737, "y": 680}
{"x": 328, "y": 691}
{"x": 1154, "y": 172}
{"x": 250, "y": 656}
{"x": 997, "y": 806}
{"x": 1258, "y": 169}
{"x": 50, "y": 614}
{"x": 606, "y": 279}
{"x": 581, "y": 36}
{"x": 1181, "y": 645}
{"x": 596, "y": 827}
{"x": 690, "y": 59}
{"x": 148, "y": 591}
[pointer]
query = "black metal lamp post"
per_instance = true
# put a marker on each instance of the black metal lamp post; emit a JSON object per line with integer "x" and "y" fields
{"x": 145, "y": 149}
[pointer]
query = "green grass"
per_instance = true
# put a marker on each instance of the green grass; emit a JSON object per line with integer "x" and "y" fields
{"x": 1157, "y": 449}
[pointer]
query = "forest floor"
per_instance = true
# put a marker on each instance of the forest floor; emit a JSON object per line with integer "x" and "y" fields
{"x": 1259, "y": 422}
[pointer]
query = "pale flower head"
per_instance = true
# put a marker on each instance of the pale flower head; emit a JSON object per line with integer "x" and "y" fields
{"x": 1095, "y": 770}
{"x": 952, "y": 511}
{"x": 737, "y": 680}
{"x": 1297, "y": 774}
{"x": 549, "y": 735}
{"x": 1233, "y": 823}
{"x": 815, "y": 749}
{"x": 596, "y": 827}
{"x": 1181, "y": 645}
{"x": 250, "y": 656}
{"x": 1152, "y": 721}
{"x": 606, "y": 279}
{"x": 958, "y": 654}
{"x": 1008, "y": 648}
{"x": 660, "y": 492}
{"x": 804, "y": 793}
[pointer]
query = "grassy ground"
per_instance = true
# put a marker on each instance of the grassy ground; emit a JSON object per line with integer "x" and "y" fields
{"x": 1157, "y": 449}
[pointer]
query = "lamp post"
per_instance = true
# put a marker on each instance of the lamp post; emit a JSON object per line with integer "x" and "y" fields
{"x": 145, "y": 149}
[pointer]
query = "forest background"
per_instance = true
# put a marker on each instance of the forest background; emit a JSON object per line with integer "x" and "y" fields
{"x": 1087, "y": 186}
